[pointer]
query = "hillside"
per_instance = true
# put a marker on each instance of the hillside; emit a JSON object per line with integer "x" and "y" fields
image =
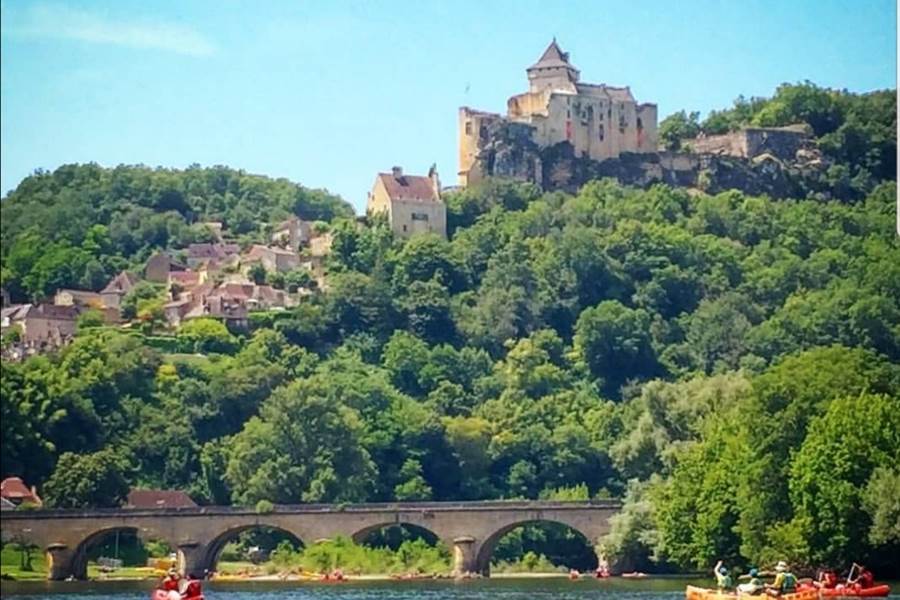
{"x": 81, "y": 224}
{"x": 600, "y": 343}
{"x": 726, "y": 363}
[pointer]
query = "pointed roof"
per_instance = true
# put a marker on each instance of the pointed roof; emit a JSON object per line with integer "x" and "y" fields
{"x": 553, "y": 56}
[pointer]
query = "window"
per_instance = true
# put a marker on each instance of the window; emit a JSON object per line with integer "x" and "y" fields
{"x": 468, "y": 127}
{"x": 404, "y": 228}
{"x": 601, "y": 133}
{"x": 419, "y": 216}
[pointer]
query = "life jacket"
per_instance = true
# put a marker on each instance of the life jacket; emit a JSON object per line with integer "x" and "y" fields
{"x": 193, "y": 589}
{"x": 866, "y": 579}
{"x": 724, "y": 582}
{"x": 788, "y": 582}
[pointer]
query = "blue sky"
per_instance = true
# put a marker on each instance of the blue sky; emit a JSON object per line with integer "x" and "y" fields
{"x": 327, "y": 93}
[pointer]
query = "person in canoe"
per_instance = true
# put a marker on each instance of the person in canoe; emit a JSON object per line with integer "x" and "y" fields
{"x": 864, "y": 577}
{"x": 171, "y": 581}
{"x": 723, "y": 578}
{"x": 192, "y": 589}
{"x": 785, "y": 581}
{"x": 754, "y": 586}
{"x": 827, "y": 580}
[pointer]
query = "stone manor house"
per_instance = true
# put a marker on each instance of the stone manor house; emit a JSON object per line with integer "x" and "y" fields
{"x": 599, "y": 120}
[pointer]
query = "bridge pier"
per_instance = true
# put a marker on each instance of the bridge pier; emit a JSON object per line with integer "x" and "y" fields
{"x": 61, "y": 563}
{"x": 192, "y": 559}
{"x": 464, "y": 556}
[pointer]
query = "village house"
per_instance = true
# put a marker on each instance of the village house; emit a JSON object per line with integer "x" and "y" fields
{"x": 117, "y": 289}
{"x": 66, "y": 297}
{"x": 158, "y": 499}
{"x": 41, "y": 323}
{"x": 292, "y": 233}
{"x": 186, "y": 280}
{"x": 14, "y": 491}
{"x": 256, "y": 297}
{"x": 600, "y": 121}
{"x": 159, "y": 266}
{"x": 412, "y": 203}
{"x": 272, "y": 259}
{"x": 200, "y": 253}
{"x": 187, "y": 301}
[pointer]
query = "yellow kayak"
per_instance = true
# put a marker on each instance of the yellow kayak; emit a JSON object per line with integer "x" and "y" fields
{"x": 699, "y": 593}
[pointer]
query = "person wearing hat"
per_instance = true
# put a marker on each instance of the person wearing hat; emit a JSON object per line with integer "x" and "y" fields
{"x": 785, "y": 581}
{"x": 754, "y": 586}
{"x": 723, "y": 579}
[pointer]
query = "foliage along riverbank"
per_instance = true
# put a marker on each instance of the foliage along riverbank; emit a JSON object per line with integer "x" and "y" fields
{"x": 727, "y": 364}
{"x": 412, "y": 558}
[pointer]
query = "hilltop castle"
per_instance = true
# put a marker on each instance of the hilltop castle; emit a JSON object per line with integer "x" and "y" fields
{"x": 598, "y": 120}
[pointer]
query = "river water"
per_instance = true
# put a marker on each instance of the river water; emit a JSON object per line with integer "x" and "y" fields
{"x": 491, "y": 589}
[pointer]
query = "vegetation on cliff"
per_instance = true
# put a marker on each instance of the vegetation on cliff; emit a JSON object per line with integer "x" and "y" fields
{"x": 856, "y": 132}
{"x": 726, "y": 363}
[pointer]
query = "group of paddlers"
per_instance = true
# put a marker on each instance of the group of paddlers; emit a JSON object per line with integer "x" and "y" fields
{"x": 176, "y": 587}
{"x": 859, "y": 578}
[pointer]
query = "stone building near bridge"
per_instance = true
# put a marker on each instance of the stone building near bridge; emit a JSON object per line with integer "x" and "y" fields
{"x": 600, "y": 121}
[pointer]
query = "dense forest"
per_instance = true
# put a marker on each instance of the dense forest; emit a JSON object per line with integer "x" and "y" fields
{"x": 727, "y": 364}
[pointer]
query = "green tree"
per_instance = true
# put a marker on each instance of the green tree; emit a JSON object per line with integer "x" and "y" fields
{"x": 830, "y": 472}
{"x": 302, "y": 448}
{"x": 99, "y": 479}
{"x": 677, "y": 127}
{"x": 614, "y": 342}
{"x": 881, "y": 500}
{"x": 206, "y": 335}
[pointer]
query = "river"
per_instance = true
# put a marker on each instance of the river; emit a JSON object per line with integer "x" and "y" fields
{"x": 491, "y": 589}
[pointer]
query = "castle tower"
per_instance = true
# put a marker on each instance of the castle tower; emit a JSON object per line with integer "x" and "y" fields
{"x": 552, "y": 70}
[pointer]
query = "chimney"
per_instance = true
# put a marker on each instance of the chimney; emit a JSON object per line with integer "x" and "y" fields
{"x": 435, "y": 181}
{"x": 397, "y": 172}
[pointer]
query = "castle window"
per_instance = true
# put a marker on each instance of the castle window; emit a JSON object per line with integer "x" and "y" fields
{"x": 468, "y": 127}
{"x": 404, "y": 228}
{"x": 419, "y": 216}
{"x": 640, "y": 124}
{"x": 568, "y": 114}
{"x": 601, "y": 133}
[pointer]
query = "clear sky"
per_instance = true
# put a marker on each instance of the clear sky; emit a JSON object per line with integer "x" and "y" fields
{"x": 327, "y": 93}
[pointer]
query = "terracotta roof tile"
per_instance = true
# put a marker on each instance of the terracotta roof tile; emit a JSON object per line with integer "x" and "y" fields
{"x": 409, "y": 187}
{"x": 159, "y": 499}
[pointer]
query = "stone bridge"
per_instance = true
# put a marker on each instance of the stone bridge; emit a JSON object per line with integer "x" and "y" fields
{"x": 470, "y": 529}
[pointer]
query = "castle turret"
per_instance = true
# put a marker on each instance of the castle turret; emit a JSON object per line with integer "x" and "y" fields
{"x": 552, "y": 70}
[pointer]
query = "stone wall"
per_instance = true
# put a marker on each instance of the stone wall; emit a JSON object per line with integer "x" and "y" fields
{"x": 783, "y": 164}
{"x": 781, "y": 142}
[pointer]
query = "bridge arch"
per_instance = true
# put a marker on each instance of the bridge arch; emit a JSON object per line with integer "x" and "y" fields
{"x": 488, "y": 545}
{"x": 211, "y": 552}
{"x": 79, "y": 560}
{"x": 360, "y": 536}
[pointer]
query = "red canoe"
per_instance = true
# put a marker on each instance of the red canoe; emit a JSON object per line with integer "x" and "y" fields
{"x": 167, "y": 595}
{"x": 842, "y": 591}
{"x": 876, "y": 591}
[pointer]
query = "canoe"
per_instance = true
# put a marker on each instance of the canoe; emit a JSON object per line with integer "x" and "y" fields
{"x": 699, "y": 593}
{"x": 171, "y": 595}
{"x": 877, "y": 591}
